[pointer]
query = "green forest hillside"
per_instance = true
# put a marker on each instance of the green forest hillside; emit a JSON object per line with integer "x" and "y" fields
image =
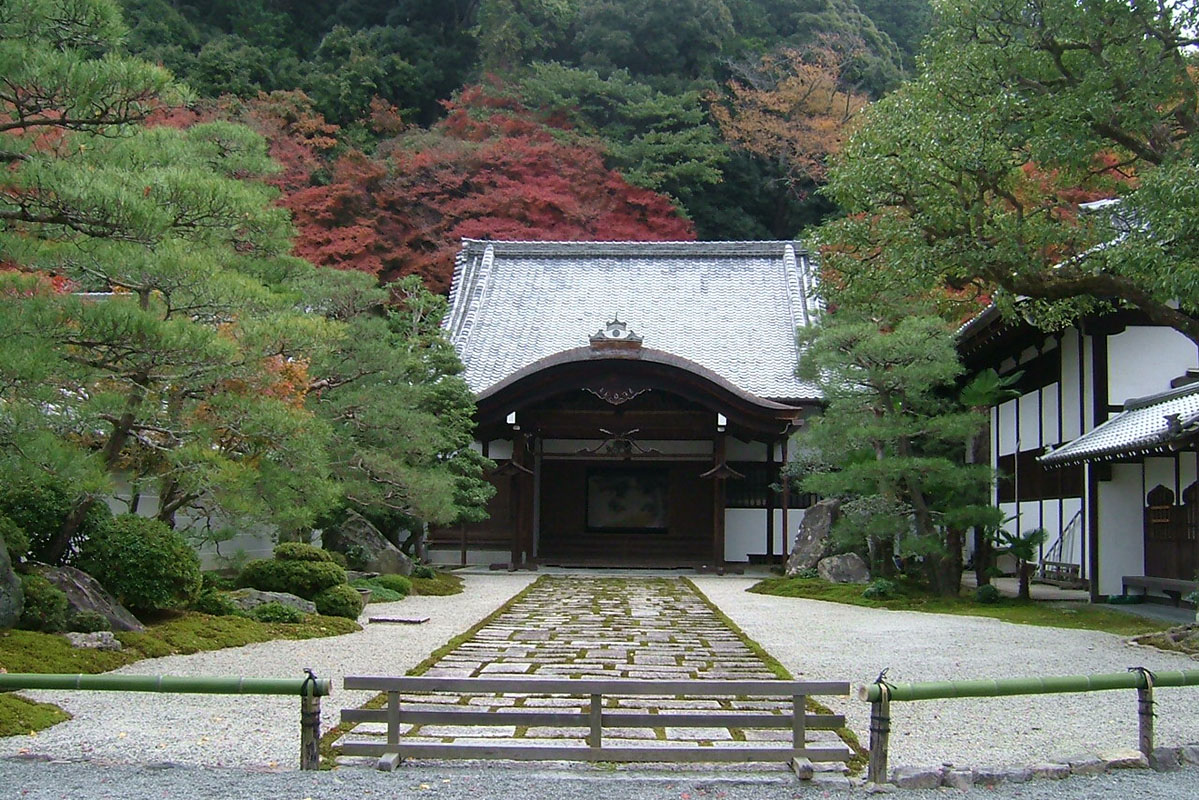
{"x": 636, "y": 83}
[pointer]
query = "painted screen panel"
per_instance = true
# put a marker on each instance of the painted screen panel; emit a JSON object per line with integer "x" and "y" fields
{"x": 627, "y": 500}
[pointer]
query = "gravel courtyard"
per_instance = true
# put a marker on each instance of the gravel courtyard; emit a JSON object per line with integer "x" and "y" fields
{"x": 251, "y": 731}
{"x": 819, "y": 640}
{"x": 815, "y": 640}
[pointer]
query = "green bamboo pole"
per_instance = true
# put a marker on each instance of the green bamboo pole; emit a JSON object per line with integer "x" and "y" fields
{"x": 1003, "y": 687}
{"x": 172, "y": 684}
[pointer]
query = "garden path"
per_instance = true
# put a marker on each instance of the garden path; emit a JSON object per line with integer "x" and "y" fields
{"x": 593, "y": 627}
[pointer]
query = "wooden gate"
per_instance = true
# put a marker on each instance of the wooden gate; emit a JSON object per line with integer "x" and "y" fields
{"x": 591, "y": 716}
{"x": 1171, "y": 540}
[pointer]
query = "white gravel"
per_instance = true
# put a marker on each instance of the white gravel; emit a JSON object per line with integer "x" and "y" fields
{"x": 829, "y": 641}
{"x": 254, "y": 731}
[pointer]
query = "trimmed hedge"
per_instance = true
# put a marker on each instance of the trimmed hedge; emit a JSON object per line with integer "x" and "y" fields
{"x": 342, "y": 600}
{"x": 88, "y": 622}
{"x": 397, "y": 583}
{"x": 303, "y": 578}
{"x": 142, "y": 562}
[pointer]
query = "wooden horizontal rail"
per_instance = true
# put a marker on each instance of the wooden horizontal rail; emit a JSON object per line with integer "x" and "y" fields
{"x": 565, "y": 719}
{"x": 582, "y": 753}
{"x": 588, "y": 686}
{"x": 170, "y": 684}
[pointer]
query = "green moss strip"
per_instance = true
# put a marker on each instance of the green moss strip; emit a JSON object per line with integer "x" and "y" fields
{"x": 329, "y": 753}
{"x": 1021, "y": 612}
{"x": 179, "y": 634}
{"x": 861, "y": 756}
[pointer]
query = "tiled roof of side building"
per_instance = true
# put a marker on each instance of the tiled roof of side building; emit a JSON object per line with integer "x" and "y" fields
{"x": 732, "y": 307}
{"x": 1146, "y": 425}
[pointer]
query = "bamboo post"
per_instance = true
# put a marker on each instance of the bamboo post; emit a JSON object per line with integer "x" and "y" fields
{"x": 880, "y": 732}
{"x": 1144, "y": 712}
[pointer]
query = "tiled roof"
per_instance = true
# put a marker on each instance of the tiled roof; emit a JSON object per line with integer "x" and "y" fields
{"x": 732, "y": 307}
{"x": 1146, "y": 425}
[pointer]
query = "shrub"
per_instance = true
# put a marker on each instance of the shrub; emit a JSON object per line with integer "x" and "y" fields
{"x": 88, "y": 622}
{"x": 342, "y": 600}
{"x": 215, "y": 582}
{"x": 298, "y": 551}
{"x": 423, "y": 572}
{"x": 142, "y": 562}
{"x": 986, "y": 594}
{"x": 807, "y": 573}
{"x": 16, "y": 541}
{"x": 396, "y": 583}
{"x": 879, "y": 589}
{"x": 303, "y": 578}
{"x": 357, "y": 557}
{"x": 338, "y": 558}
{"x": 215, "y": 603}
{"x": 379, "y": 594}
{"x": 277, "y": 612}
{"x": 45, "y": 605}
{"x": 40, "y": 505}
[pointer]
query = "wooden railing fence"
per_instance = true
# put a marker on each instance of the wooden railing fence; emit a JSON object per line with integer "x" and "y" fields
{"x": 595, "y": 719}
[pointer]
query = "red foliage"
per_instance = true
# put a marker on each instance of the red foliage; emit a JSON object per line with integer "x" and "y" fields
{"x": 489, "y": 170}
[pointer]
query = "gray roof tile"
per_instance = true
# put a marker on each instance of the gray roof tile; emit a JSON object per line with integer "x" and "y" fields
{"x": 732, "y": 307}
{"x": 1146, "y": 425}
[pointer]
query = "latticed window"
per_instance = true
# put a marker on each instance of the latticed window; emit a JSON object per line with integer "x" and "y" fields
{"x": 758, "y": 486}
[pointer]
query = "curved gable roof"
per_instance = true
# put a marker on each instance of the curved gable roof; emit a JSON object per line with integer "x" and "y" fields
{"x": 731, "y": 307}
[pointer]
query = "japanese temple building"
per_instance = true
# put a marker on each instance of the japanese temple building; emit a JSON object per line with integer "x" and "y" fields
{"x": 637, "y": 398}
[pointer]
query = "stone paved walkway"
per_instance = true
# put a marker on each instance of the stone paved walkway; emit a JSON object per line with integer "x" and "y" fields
{"x": 572, "y": 627}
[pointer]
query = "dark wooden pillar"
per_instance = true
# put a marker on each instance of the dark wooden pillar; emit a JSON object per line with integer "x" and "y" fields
{"x": 719, "y": 473}
{"x": 770, "y": 504}
{"x": 786, "y": 497}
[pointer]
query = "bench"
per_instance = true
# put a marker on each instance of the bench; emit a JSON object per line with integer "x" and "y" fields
{"x": 1174, "y": 588}
{"x": 1062, "y": 573}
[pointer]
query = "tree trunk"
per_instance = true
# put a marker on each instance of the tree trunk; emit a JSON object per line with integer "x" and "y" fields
{"x": 984, "y": 550}
{"x": 1024, "y": 569}
{"x": 56, "y": 549}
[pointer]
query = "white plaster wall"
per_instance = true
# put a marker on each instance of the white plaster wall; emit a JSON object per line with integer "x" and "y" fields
{"x": 1071, "y": 388}
{"x": 500, "y": 449}
{"x": 1188, "y": 469}
{"x": 1030, "y": 420}
{"x": 1049, "y": 418}
{"x": 453, "y": 556}
{"x": 745, "y": 532}
{"x": 1142, "y": 361}
{"x": 1161, "y": 470}
{"x": 1121, "y": 534}
{"x": 1007, "y": 428}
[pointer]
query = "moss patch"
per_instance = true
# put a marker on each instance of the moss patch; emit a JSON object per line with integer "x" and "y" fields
{"x": 1022, "y": 612}
{"x": 857, "y": 762}
{"x": 441, "y": 584}
{"x": 1182, "y": 639}
{"x": 178, "y": 634}
{"x": 19, "y": 716}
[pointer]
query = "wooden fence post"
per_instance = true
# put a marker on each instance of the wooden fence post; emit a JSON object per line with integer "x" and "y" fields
{"x": 596, "y": 737}
{"x": 880, "y": 732}
{"x": 310, "y": 732}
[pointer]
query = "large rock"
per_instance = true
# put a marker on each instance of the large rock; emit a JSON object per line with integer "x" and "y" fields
{"x": 84, "y": 593}
{"x": 248, "y": 599}
{"x": 812, "y": 540}
{"x": 357, "y": 532}
{"x": 101, "y": 640}
{"x": 12, "y": 598}
{"x": 845, "y": 568}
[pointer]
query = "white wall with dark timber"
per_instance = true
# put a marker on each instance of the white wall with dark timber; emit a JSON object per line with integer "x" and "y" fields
{"x": 1070, "y": 386}
{"x": 745, "y": 532}
{"x": 1121, "y": 528}
{"x": 1143, "y": 360}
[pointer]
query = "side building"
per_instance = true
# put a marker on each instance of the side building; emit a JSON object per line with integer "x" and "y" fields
{"x": 637, "y": 398}
{"x": 1101, "y": 448}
